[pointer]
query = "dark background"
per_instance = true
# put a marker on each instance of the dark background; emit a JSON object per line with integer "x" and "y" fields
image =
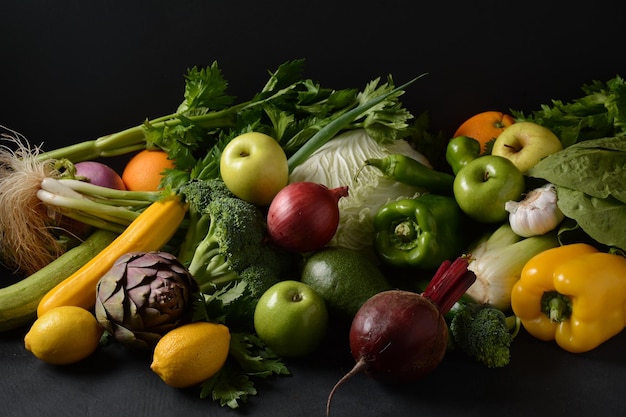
{"x": 75, "y": 70}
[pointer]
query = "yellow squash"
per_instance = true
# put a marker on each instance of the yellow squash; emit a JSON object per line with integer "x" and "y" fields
{"x": 152, "y": 229}
{"x": 573, "y": 294}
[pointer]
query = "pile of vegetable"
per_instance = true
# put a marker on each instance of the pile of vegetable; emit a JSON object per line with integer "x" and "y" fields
{"x": 360, "y": 178}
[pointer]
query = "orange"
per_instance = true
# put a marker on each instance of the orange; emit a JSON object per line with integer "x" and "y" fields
{"x": 145, "y": 170}
{"x": 485, "y": 127}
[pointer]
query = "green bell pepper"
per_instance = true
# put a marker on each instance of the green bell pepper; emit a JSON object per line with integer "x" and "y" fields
{"x": 418, "y": 232}
{"x": 460, "y": 151}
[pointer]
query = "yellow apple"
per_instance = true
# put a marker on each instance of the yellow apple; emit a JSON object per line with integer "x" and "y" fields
{"x": 254, "y": 167}
{"x": 525, "y": 144}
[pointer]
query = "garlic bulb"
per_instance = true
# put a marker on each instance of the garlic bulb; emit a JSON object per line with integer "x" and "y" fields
{"x": 537, "y": 214}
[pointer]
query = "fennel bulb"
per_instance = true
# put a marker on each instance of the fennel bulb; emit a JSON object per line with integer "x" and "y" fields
{"x": 337, "y": 164}
{"x": 498, "y": 260}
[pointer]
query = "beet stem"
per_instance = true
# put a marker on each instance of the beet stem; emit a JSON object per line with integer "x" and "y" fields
{"x": 449, "y": 283}
{"x": 359, "y": 366}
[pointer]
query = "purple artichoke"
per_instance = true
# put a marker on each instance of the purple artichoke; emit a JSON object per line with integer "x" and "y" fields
{"x": 143, "y": 296}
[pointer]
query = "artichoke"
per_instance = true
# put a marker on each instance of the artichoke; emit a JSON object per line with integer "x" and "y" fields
{"x": 143, "y": 296}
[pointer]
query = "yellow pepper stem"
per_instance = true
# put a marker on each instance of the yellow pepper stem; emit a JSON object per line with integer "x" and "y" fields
{"x": 556, "y": 306}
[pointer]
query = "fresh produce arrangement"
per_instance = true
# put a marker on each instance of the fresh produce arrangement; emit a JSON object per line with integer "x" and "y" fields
{"x": 239, "y": 232}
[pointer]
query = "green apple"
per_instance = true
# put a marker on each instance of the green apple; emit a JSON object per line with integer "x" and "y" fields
{"x": 291, "y": 318}
{"x": 483, "y": 186}
{"x": 254, "y": 167}
{"x": 525, "y": 144}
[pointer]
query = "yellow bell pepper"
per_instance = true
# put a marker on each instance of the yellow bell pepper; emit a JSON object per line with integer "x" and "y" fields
{"x": 573, "y": 294}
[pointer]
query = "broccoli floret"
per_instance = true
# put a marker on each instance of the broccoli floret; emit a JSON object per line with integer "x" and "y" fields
{"x": 484, "y": 333}
{"x": 227, "y": 240}
{"x": 260, "y": 277}
{"x": 198, "y": 194}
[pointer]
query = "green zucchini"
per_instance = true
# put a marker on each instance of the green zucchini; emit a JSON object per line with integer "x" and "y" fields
{"x": 19, "y": 301}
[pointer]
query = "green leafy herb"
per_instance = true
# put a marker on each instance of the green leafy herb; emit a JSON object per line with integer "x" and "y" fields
{"x": 383, "y": 118}
{"x": 599, "y": 112}
{"x": 590, "y": 177}
{"x": 248, "y": 356}
{"x": 229, "y": 386}
{"x": 299, "y": 113}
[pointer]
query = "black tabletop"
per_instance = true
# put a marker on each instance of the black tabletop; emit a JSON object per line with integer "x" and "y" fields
{"x": 541, "y": 380}
{"x": 72, "y": 71}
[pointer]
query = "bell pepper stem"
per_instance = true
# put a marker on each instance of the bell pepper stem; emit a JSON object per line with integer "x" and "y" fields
{"x": 556, "y": 306}
{"x": 405, "y": 234}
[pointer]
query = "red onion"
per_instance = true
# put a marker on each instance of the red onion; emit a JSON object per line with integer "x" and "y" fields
{"x": 304, "y": 216}
{"x": 100, "y": 174}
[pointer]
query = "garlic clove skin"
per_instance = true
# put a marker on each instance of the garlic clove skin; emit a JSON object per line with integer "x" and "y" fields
{"x": 537, "y": 214}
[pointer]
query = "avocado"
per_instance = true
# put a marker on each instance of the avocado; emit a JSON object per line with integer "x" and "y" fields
{"x": 345, "y": 278}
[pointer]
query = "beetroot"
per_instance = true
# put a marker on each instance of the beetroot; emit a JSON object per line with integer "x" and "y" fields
{"x": 414, "y": 324}
{"x": 401, "y": 336}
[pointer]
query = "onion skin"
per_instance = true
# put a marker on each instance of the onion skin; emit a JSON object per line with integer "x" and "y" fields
{"x": 100, "y": 174}
{"x": 304, "y": 216}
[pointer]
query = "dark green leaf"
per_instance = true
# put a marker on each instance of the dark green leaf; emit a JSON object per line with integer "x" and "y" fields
{"x": 595, "y": 167}
{"x": 254, "y": 357}
{"x": 590, "y": 177}
{"x": 604, "y": 219}
{"x": 205, "y": 88}
{"x": 287, "y": 74}
{"x": 229, "y": 387}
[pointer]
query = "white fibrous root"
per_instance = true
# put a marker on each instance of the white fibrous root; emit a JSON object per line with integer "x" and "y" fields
{"x": 27, "y": 243}
{"x": 537, "y": 214}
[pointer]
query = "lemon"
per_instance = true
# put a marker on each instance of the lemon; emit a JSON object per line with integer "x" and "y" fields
{"x": 191, "y": 353}
{"x": 64, "y": 335}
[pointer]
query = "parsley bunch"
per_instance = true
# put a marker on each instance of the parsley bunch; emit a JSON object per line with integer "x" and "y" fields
{"x": 600, "y": 112}
{"x": 248, "y": 358}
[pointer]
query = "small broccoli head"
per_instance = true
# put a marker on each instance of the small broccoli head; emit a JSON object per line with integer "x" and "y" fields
{"x": 235, "y": 247}
{"x": 239, "y": 229}
{"x": 481, "y": 331}
{"x": 199, "y": 193}
{"x": 259, "y": 278}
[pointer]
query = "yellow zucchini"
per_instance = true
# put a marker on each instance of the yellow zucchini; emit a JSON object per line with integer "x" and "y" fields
{"x": 18, "y": 302}
{"x": 151, "y": 230}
